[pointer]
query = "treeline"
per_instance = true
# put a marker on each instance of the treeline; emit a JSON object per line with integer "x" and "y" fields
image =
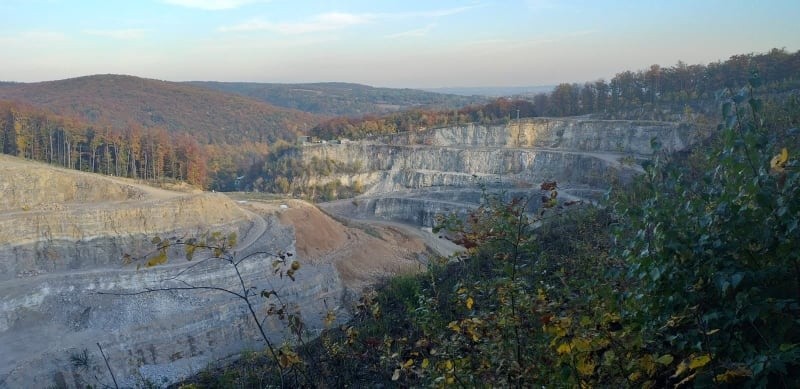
{"x": 500, "y": 110}
{"x": 656, "y": 93}
{"x": 671, "y": 87}
{"x": 134, "y": 151}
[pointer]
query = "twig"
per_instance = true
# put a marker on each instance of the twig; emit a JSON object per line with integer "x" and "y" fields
{"x": 108, "y": 366}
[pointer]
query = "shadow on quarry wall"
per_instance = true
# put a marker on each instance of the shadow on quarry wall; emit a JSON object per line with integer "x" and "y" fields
{"x": 410, "y": 177}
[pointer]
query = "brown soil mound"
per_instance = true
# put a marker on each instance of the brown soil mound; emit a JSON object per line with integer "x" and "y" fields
{"x": 362, "y": 256}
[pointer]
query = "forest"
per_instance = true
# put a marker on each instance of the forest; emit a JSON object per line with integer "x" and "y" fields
{"x": 341, "y": 99}
{"x": 657, "y": 93}
{"x": 135, "y": 151}
{"x": 212, "y": 154}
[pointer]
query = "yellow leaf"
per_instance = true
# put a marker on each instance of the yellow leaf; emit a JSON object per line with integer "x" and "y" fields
{"x": 158, "y": 259}
{"x": 564, "y": 348}
{"x": 779, "y": 161}
{"x": 454, "y": 326}
{"x": 698, "y": 362}
{"x": 288, "y": 358}
{"x": 586, "y": 367}
{"x": 581, "y": 344}
{"x": 733, "y": 375}
{"x": 648, "y": 364}
{"x": 448, "y": 365}
{"x": 425, "y": 363}
{"x": 470, "y": 302}
{"x": 682, "y": 368}
{"x": 473, "y": 333}
{"x": 634, "y": 376}
{"x": 408, "y": 364}
{"x": 330, "y": 317}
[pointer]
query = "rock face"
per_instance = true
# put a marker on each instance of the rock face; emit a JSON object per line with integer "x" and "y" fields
{"x": 583, "y": 155}
{"x": 65, "y": 288}
{"x": 63, "y": 237}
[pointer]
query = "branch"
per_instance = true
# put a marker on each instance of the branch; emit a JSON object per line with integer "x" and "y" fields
{"x": 108, "y": 366}
{"x": 172, "y": 288}
{"x": 267, "y": 253}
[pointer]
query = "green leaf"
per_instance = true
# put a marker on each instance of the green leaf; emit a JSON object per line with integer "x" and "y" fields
{"x": 665, "y": 359}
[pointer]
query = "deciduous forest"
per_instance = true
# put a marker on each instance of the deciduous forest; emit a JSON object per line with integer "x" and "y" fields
{"x": 175, "y": 147}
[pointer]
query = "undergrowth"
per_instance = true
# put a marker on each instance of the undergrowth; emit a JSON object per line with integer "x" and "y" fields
{"x": 688, "y": 277}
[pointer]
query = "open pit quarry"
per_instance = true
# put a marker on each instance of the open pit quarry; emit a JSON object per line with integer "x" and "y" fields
{"x": 414, "y": 176}
{"x": 63, "y": 235}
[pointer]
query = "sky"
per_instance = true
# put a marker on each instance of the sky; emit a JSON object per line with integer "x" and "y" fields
{"x": 397, "y": 43}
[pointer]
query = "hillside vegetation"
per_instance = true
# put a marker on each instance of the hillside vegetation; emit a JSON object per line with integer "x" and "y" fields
{"x": 690, "y": 277}
{"x": 665, "y": 93}
{"x": 340, "y": 99}
{"x": 121, "y": 101}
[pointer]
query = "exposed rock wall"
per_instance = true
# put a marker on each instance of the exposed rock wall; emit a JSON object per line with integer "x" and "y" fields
{"x": 62, "y": 238}
{"x": 575, "y": 134}
{"x": 582, "y": 155}
{"x": 575, "y": 151}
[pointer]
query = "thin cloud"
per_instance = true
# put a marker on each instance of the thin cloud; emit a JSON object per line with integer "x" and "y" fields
{"x": 34, "y": 37}
{"x": 339, "y": 20}
{"x": 212, "y": 5}
{"x": 319, "y": 23}
{"x": 413, "y": 33}
{"x": 123, "y": 34}
{"x": 438, "y": 13}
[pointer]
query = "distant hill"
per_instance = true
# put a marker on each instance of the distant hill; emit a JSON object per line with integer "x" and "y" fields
{"x": 341, "y": 99}
{"x": 495, "y": 91}
{"x": 119, "y": 101}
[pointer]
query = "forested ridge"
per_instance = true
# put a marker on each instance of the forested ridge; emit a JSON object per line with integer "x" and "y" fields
{"x": 657, "y": 93}
{"x": 120, "y": 101}
{"x": 341, "y": 99}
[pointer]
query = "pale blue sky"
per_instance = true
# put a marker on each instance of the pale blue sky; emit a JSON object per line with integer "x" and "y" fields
{"x": 403, "y": 43}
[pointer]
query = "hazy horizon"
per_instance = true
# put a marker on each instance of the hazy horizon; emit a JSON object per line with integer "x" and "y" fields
{"x": 413, "y": 44}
